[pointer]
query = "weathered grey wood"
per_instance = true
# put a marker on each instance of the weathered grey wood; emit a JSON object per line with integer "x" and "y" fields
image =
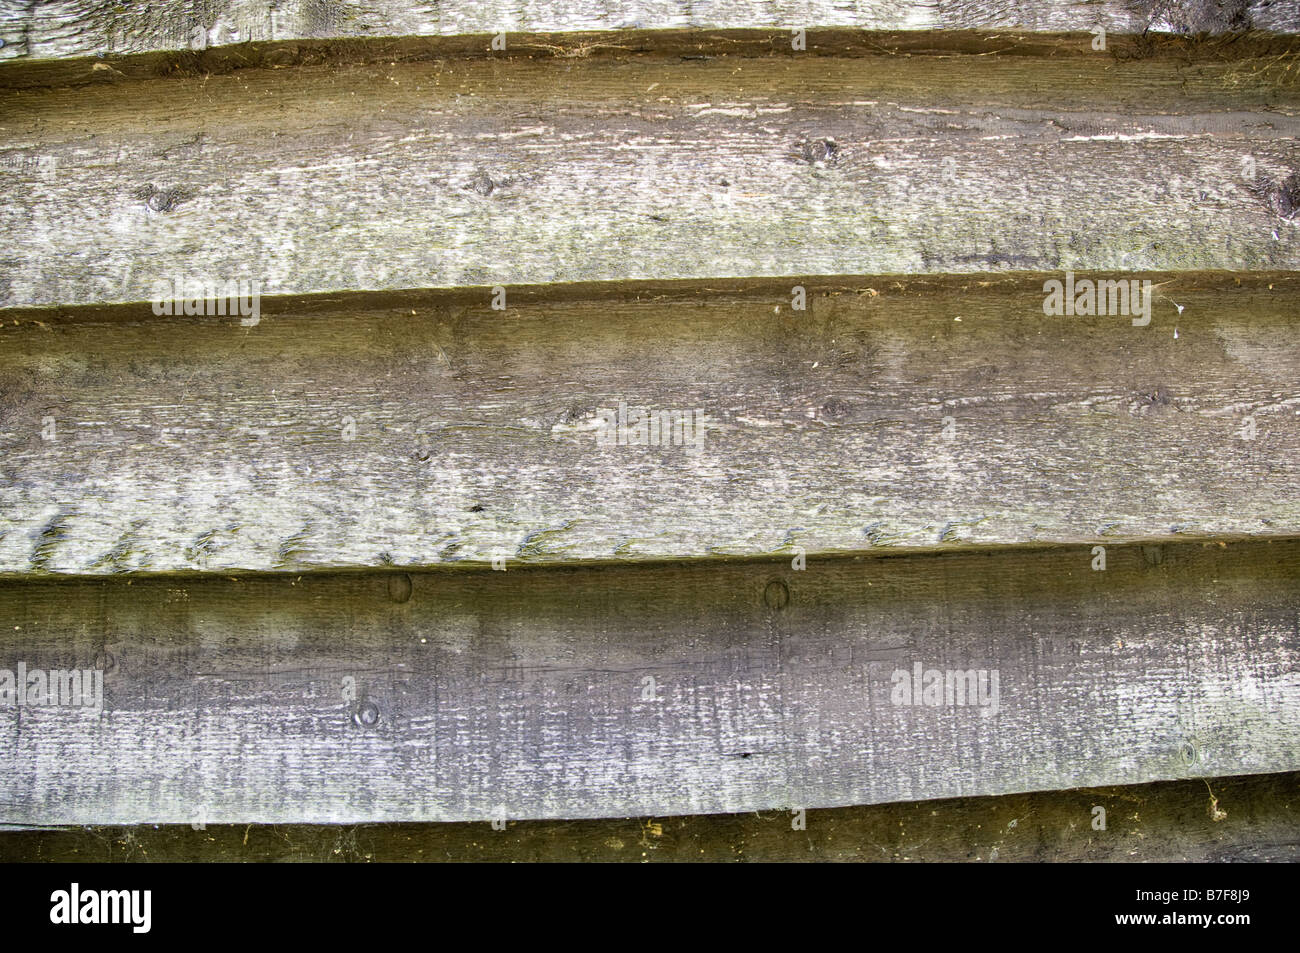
{"x": 64, "y": 28}
{"x": 421, "y": 429}
{"x": 1257, "y": 820}
{"x": 649, "y": 690}
{"x": 449, "y": 173}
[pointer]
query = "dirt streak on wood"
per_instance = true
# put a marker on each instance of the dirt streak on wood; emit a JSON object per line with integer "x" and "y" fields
{"x": 1272, "y": 54}
{"x": 429, "y": 429}
{"x": 451, "y": 174}
{"x": 650, "y": 690}
{"x": 1255, "y": 54}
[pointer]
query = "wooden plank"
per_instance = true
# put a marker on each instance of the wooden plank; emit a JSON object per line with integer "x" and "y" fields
{"x": 1253, "y": 818}
{"x": 69, "y": 28}
{"x": 650, "y": 690}
{"x": 450, "y": 174}
{"x": 417, "y": 429}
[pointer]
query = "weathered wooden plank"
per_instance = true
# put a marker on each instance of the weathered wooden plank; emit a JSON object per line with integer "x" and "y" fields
{"x": 66, "y": 28}
{"x": 1252, "y": 818}
{"x": 650, "y": 690}
{"x": 422, "y": 429}
{"x": 448, "y": 174}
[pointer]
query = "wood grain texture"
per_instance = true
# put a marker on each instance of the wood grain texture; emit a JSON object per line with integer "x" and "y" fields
{"x": 423, "y": 429}
{"x": 1169, "y": 822}
{"x": 524, "y": 694}
{"x": 450, "y": 174}
{"x": 69, "y": 28}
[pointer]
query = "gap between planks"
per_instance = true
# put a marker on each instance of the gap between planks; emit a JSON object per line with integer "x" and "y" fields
{"x": 95, "y": 68}
{"x": 1252, "y": 818}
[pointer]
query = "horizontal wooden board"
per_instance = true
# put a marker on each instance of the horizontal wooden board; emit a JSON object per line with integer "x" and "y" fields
{"x": 649, "y": 690}
{"x": 464, "y": 173}
{"x": 425, "y": 429}
{"x": 69, "y": 28}
{"x": 1252, "y": 818}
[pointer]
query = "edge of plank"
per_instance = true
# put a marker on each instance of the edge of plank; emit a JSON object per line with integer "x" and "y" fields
{"x": 23, "y": 72}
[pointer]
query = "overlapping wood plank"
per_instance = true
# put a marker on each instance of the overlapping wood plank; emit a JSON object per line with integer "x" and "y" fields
{"x": 465, "y": 173}
{"x": 650, "y": 690}
{"x": 425, "y": 429}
